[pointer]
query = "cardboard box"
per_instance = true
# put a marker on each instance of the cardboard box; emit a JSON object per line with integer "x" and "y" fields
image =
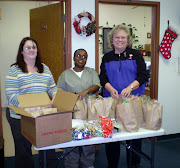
{"x": 49, "y": 129}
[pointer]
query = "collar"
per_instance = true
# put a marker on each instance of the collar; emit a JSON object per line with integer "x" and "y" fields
{"x": 125, "y": 53}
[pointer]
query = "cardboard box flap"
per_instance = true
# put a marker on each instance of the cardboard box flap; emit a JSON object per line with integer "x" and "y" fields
{"x": 37, "y": 99}
{"x": 20, "y": 111}
{"x": 65, "y": 101}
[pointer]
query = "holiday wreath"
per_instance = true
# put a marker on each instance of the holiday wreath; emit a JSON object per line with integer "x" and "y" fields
{"x": 87, "y": 30}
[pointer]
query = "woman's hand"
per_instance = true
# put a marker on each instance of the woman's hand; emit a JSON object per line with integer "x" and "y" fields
{"x": 111, "y": 90}
{"x": 126, "y": 92}
{"x": 114, "y": 93}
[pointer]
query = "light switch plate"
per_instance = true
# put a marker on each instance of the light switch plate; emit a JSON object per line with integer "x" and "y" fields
{"x": 178, "y": 65}
{"x": 0, "y": 13}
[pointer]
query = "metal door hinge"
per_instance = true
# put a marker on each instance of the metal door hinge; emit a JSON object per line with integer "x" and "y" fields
{"x": 63, "y": 18}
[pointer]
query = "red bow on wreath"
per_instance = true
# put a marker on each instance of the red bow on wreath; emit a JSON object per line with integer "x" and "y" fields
{"x": 76, "y": 26}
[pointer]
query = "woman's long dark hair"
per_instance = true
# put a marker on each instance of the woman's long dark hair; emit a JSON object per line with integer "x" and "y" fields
{"x": 20, "y": 58}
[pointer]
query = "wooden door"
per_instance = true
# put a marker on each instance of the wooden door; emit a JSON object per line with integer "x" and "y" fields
{"x": 47, "y": 28}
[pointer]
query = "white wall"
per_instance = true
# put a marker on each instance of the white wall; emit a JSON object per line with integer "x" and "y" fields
{"x": 15, "y": 25}
{"x": 169, "y": 79}
{"x": 88, "y": 43}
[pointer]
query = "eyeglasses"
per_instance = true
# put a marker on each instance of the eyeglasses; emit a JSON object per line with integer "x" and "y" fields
{"x": 29, "y": 48}
{"x": 81, "y": 56}
{"x": 121, "y": 37}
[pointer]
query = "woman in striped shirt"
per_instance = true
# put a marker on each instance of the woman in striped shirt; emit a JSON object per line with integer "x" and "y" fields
{"x": 27, "y": 76}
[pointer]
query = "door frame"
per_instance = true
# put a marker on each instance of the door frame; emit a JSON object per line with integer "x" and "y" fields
{"x": 68, "y": 45}
{"x": 154, "y": 37}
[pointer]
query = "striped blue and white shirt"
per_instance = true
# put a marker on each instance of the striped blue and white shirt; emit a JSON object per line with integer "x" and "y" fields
{"x": 20, "y": 83}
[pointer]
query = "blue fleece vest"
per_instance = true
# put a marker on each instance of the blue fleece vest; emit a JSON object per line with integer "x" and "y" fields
{"x": 121, "y": 74}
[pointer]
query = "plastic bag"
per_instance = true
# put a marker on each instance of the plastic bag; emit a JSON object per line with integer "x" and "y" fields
{"x": 107, "y": 126}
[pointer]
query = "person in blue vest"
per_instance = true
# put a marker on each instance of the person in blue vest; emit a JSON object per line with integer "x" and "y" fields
{"x": 122, "y": 72}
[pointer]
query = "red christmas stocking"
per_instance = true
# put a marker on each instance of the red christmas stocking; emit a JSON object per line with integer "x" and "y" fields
{"x": 165, "y": 46}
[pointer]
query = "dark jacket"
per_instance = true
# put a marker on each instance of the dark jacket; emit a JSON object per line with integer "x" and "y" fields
{"x": 121, "y": 71}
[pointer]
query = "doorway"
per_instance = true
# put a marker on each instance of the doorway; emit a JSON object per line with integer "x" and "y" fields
{"x": 154, "y": 38}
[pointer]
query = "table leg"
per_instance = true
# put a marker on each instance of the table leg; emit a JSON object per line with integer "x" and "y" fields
{"x": 64, "y": 155}
{"x": 45, "y": 158}
{"x": 150, "y": 160}
{"x": 130, "y": 154}
{"x": 152, "y": 152}
{"x": 59, "y": 158}
{"x": 129, "y": 147}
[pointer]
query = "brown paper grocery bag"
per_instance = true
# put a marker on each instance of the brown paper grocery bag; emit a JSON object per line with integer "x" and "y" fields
{"x": 110, "y": 107}
{"x": 92, "y": 113}
{"x": 105, "y": 106}
{"x": 127, "y": 116}
{"x": 137, "y": 106}
{"x": 144, "y": 99}
{"x": 81, "y": 106}
{"x": 117, "y": 117}
{"x": 153, "y": 115}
